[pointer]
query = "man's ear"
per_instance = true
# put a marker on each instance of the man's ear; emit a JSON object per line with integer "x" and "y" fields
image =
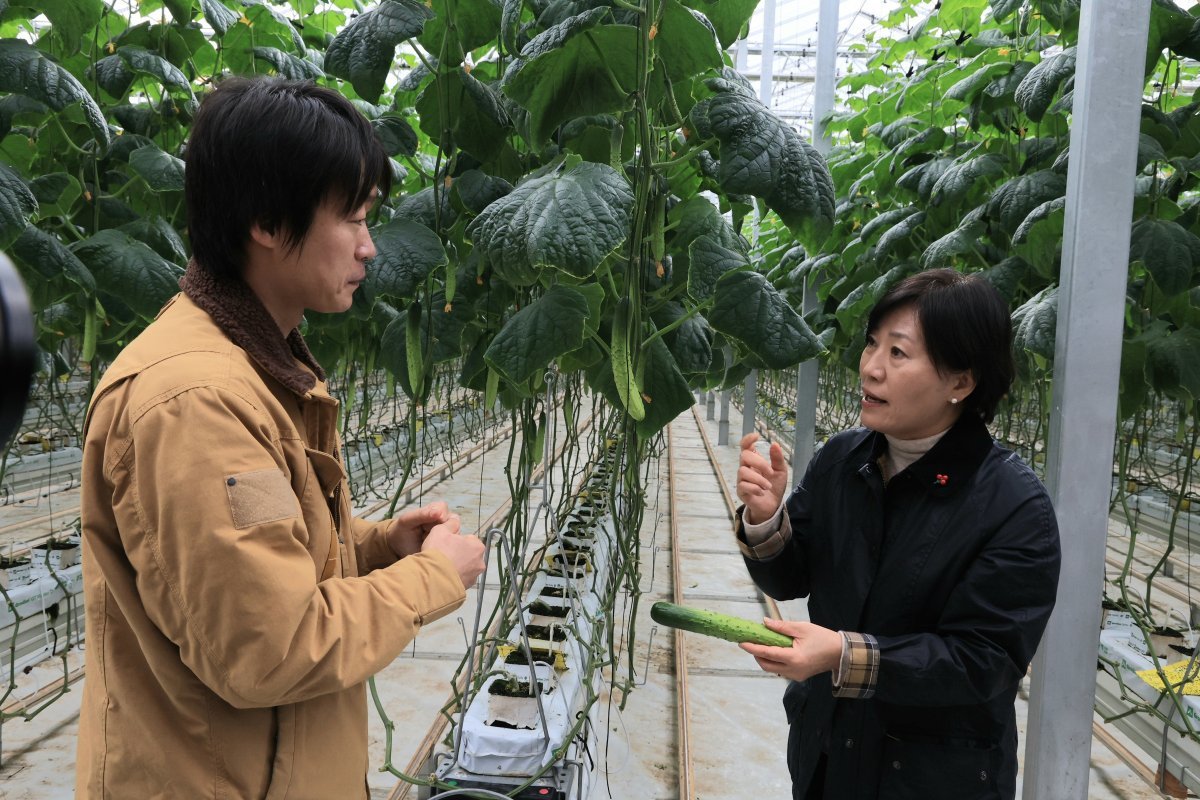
{"x": 264, "y": 238}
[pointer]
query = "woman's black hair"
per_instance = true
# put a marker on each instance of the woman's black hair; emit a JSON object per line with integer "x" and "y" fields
{"x": 966, "y": 325}
{"x": 269, "y": 151}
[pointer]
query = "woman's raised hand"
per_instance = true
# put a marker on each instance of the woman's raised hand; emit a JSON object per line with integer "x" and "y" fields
{"x": 761, "y": 483}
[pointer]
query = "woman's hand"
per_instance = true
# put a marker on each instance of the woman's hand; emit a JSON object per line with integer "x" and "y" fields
{"x": 814, "y": 650}
{"x": 409, "y": 528}
{"x": 761, "y": 483}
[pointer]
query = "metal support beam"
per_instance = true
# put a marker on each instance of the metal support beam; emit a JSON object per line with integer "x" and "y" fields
{"x": 723, "y": 421}
{"x": 1087, "y": 359}
{"x": 809, "y": 373}
{"x": 827, "y": 41}
{"x": 767, "y": 54}
{"x": 750, "y": 402}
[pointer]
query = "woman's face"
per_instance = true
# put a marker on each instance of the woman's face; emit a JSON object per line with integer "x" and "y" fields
{"x": 904, "y": 396}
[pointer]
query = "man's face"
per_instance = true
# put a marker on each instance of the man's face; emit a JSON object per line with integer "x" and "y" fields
{"x": 322, "y": 273}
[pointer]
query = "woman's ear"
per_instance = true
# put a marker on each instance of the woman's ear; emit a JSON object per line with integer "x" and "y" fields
{"x": 962, "y": 384}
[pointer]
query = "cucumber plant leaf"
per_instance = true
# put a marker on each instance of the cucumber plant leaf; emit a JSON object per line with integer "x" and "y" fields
{"x": 980, "y": 75}
{"x": 1134, "y": 383}
{"x": 17, "y": 205}
{"x": 476, "y": 190}
{"x": 899, "y": 233}
{"x": 48, "y": 258}
{"x": 691, "y": 342}
{"x": 218, "y": 15}
{"x": 1172, "y": 364}
{"x": 665, "y": 393}
{"x": 475, "y": 23}
{"x": 289, "y": 66}
{"x": 1169, "y": 251}
{"x": 575, "y": 69}
{"x": 70, "y": 19}
{"x": 406, "y": 252}
{"x": 547, "y": 328}
{"x": 708, "y": 260}
{"x": 686, "y": 42}
{"x": 851, "y": 313}
{"x": 1002, "y": 9}
{"x": 570, "y": 221}
{"x": 112, "y": 75}
{"x": 885, "y": 221}
{"x": 161, "y": 171}
{"x": 159, "y": 236}
{"x": 964, "y": 175}
{"x": 764, "y": 157}
{"x": 128, "y": 271}
{"x": 962, "y": 241}
{"x": 1014, "y": 199}
{"x": 1038, "y": 239}
{"x": 363, "y": 51}
{"x": 28, "y": 71}
{"x": 396, "y": 135}
{"x": 474, "y": 120}
{"x": 55, "y": 193}
{"x": 1037, "y": 90}
{"x": 143, "y": 62}
{"x": 1035, "y": 323}
{"x": 730, "y": 18}
{"x": 923, "y": 178}
{"x": 749, "y": 309}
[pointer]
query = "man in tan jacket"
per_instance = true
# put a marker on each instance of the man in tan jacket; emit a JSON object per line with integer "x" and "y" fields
{"x": 234, "y": 605}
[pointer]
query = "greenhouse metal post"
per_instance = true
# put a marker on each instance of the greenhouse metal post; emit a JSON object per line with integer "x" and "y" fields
{"x": 749, "y": 402}
{"x": 809, "y": 372}
{"x": 766, "y": 74}
{"x": 1087, "y": 359}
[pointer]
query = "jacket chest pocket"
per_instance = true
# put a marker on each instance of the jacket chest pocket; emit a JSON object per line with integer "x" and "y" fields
{"x": 322, "y": 503}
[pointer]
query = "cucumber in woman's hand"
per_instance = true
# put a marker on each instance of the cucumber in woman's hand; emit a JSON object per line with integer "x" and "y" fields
{"x": 722, "y": 626}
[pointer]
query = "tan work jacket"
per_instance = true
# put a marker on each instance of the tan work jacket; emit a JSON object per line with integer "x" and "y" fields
{"x": 234, "y": 606}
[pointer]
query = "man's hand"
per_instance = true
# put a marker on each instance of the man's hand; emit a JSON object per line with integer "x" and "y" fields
{"x": 409, "y": 529}
{"x": 814, "y": 650}
{"x": 465, "y": 551}
{"x": 761, "y": 483}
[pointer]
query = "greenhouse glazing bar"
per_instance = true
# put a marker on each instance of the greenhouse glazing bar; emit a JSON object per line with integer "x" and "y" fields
{"x": 1091, "y": 302}
{"x": 808, "y": 374}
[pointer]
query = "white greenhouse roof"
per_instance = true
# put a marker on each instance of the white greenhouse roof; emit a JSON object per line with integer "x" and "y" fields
{"x": 795, "y": 47}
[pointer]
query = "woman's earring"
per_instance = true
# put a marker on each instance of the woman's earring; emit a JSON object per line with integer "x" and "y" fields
{"x": 953, "y": 400}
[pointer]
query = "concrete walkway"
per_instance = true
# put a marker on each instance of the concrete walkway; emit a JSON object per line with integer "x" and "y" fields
{"x": 736, "y": 721}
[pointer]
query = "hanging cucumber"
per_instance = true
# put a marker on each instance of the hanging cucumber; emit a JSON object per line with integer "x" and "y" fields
{"x": 412, "y": 348}
{"x": 658, "y": 223}
{"x": 491, "y": 389}
{"x": 722, "y": 626}
{"x": 627, "y": 388}
{"x": 91, "y": 331}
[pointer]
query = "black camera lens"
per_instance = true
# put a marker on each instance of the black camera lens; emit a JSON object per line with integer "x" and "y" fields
{"x": 17, "y": 349}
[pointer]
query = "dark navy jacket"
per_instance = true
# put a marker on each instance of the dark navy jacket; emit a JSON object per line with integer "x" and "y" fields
{"x": 955, "y": 578}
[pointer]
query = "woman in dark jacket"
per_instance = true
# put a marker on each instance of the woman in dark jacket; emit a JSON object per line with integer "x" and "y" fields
{"x": 929, "y": 556}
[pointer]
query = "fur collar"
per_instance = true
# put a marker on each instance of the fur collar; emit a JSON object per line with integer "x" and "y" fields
{"x": 245, "y": 320}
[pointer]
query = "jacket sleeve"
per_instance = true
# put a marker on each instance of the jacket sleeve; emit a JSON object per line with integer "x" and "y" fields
{"x": 240, "y": 599}
{"x": 370, "y": 541}
{"x": 991, "y": 623}
{"x": 780, "y": 565}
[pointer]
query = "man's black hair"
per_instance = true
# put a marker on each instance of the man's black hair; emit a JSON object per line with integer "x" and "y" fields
{"x": 967, "y": 327}
{"x": 271, "y": 151}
